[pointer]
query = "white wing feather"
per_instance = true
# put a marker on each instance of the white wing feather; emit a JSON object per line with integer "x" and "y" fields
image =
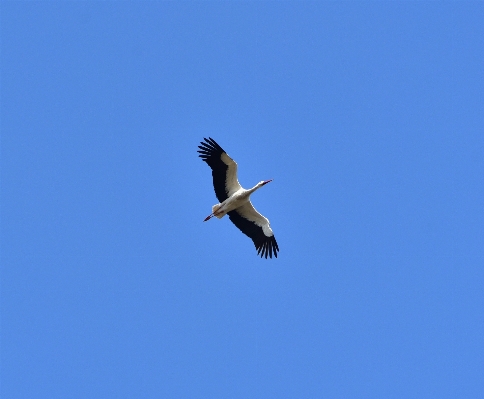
{"x": 249, "y": 212}
{"x": 231, "y": 182}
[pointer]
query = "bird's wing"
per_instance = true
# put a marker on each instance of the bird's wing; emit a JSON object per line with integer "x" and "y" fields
{"x": 257, "y": 227}
{"x": 224, "y": 169}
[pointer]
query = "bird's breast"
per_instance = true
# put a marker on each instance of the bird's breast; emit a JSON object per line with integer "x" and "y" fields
{"x": 238, "y": 199}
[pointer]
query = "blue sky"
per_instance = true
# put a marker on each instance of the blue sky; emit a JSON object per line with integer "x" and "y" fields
{"x": 368, "y": 116}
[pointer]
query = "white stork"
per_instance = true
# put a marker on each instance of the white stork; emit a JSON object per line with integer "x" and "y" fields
{"x": 234, "y": 200}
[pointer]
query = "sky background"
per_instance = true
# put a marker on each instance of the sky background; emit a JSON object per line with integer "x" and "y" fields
{"x": 369, "y": 117}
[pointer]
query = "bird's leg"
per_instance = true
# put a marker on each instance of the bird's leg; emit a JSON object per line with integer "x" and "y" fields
{"x": 216, "y": 213}
{"x": 209, "y": 217}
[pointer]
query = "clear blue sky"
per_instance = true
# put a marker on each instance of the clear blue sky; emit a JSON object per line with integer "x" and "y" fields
{"x": 369, "y": 117}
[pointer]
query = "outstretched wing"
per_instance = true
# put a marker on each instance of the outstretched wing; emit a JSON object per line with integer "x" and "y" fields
{"x": 224, "y": 168}
{"x": 257, "y": 227}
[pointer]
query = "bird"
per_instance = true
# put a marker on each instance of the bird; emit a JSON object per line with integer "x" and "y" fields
{"x": 235, "y": 200}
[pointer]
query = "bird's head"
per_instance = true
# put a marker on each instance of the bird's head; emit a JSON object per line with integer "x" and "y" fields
{"x": 264, "y": 182}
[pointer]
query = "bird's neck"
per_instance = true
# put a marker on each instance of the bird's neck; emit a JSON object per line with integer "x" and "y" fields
{"x": 256, "y": 187}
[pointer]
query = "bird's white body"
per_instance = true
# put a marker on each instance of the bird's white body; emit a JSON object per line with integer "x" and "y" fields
{"x": 238, "y": 199}
{"x": 235, "y": 200}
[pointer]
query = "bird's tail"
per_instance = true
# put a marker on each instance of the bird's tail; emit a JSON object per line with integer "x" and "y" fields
{"x": 215, "y": 208}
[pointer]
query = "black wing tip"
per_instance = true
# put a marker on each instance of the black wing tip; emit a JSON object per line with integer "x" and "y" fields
{"x": 209, "y": 148}
{"x": 267, "y": 248}
{"x": 213, "y": 142}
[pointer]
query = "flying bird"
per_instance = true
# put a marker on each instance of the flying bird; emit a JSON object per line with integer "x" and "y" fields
{"x": 234, "y": 199}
